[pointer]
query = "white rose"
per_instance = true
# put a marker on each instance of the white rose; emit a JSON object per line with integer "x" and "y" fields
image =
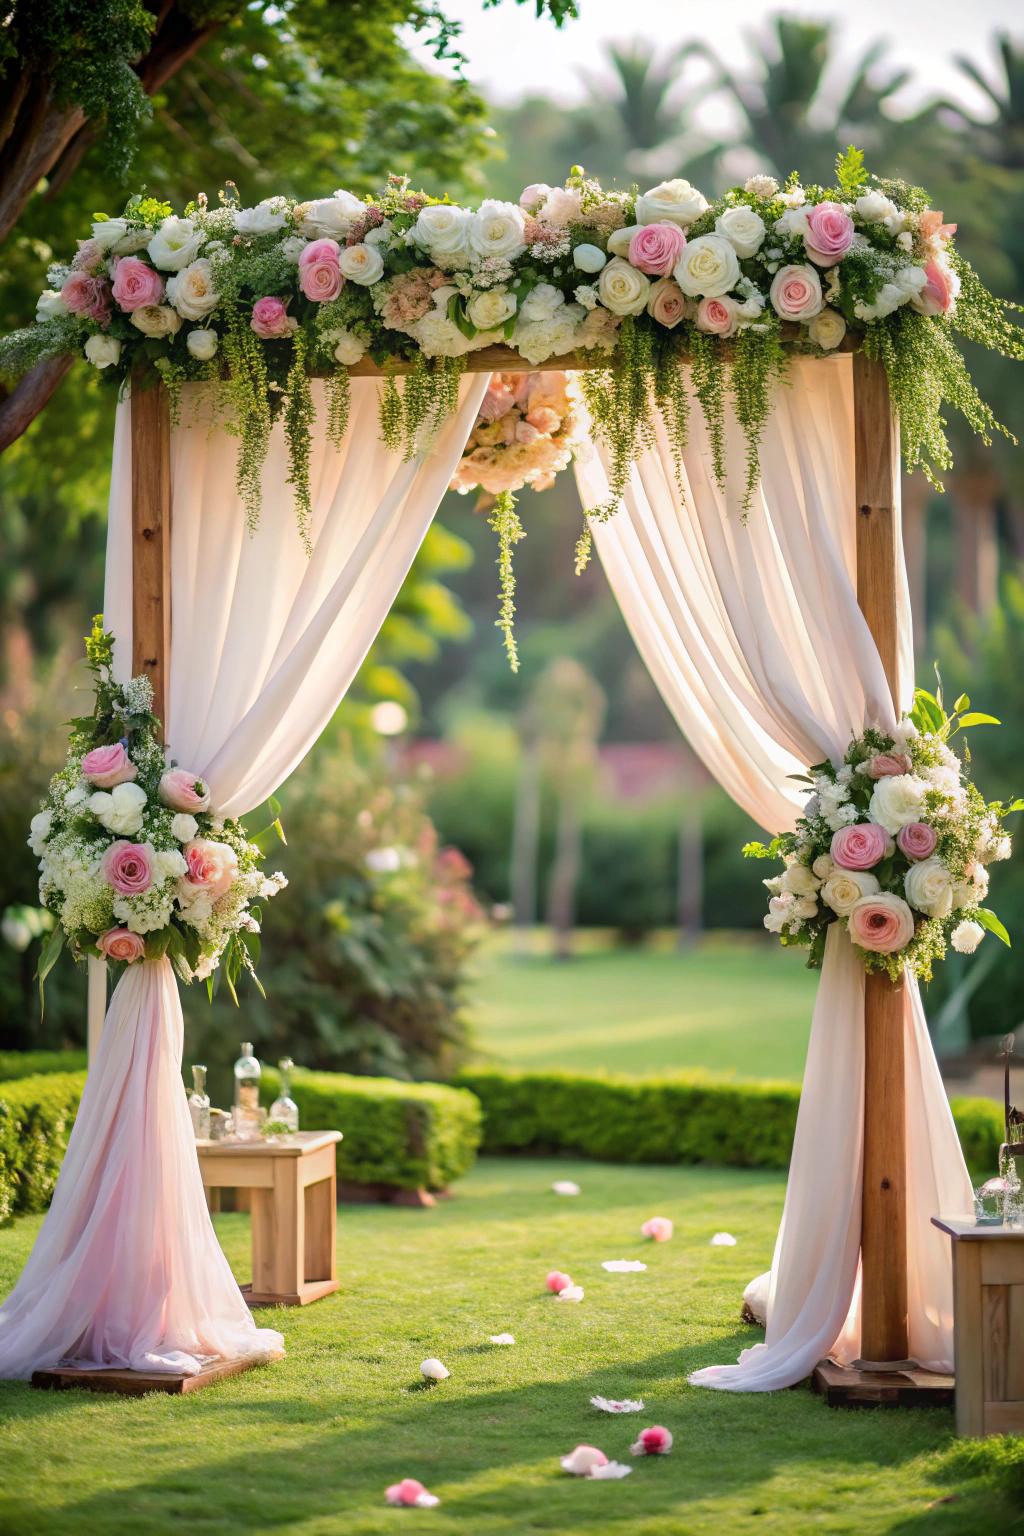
{"x": 102, "y": 350}
{"x": 292, "y": 248}
{"x": 929, "y": 888}
{"x": 873, "y": 208}
{"x": 799, "y": 880}
{"x": 348, "y": 349}
{"x": 743, "y": 228}
{"x": 156, "y": 320}
{"x": 827, "y": 329}
{"x": 846, "y": 886}
{"x": 50, "y": 305}
{"x": 443, "y": 231}
{"x": 380, "y": 234}
{"x": 175, "y": 244}
{"x": 170, "y": 865}
{"x": 589, "y": 258}
{"x": 823, "y": 865}
{"x": 361, "y": 263}
{"x": 497, "y": 229}
{"x": 330, "y": 218}
{"x": 39, "y": 827}
{"x": 202, "y": 344}
{"x": 619, "y": 239}
{"x": 966, "y": 937}
{"x": 896, "y": 801}
{"x": 108, "y": 232}
{"x": 805, "y": 907}
{"x": 491, "y": 309}
{"x": 184, "y": 827}
{"x": 622, "y": 288}
{"x": 780, "y": 912}
{"x": 707, "y": 268}
{"x": 675, "y": 201}
{"x": 264, "y": 219}
{"x": 76, "y": 796}
{"x": 191, "y": 290}
{"x": 542, "y": 303}
{"x": 120, "y": 811}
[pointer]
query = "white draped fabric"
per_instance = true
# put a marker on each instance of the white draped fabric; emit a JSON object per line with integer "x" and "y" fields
{"x": 264, "y": 642}
{"x": 752, "y": 632}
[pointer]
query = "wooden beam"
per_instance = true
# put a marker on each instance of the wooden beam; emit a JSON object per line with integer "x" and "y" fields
{"x": 884, "y": 1210}
{"x": 151, "y": 539}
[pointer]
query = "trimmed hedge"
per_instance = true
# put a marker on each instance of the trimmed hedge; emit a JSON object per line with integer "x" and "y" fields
{"x": 412, "y": 1135}
{"x": 678, "y": 1118}
{"x": 36, "y": 1116}
{"x": 17, "y": 1064}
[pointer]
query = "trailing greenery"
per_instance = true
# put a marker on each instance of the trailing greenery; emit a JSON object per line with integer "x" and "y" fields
{"x": 980, "y": 1126}
{"x": 504, "y": 519}
{"x": 36, "y": 1116}
{"x": 411, "y": 1135}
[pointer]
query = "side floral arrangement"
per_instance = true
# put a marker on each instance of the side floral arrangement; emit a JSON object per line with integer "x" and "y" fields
{"x": 894, "y": 844}
{"x": 258, "y": 299}
{"x": 133, "y": 864}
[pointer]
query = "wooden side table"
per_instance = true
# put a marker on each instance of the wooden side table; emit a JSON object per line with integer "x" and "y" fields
{"x": 988, "y": 1326}
{"x": 294, "y": 1201}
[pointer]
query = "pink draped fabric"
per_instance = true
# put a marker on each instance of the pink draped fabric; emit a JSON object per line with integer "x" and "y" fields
{"x": 127, "y": 1270}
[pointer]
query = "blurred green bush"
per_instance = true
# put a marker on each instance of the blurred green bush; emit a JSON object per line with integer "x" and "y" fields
{"x": 36, "y": 1116}
{"x": 15, "y": 1064}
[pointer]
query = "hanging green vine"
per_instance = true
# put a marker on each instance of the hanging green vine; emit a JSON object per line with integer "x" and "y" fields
{"x": 299, "y": 415}
{"x": 504, "y": 519}
{"x": 709, "y": 385}
{"x": 250, "y": 420}
{"x": 338, "y": 397}
{"x": 758, "y": 363}
{"x": 672, "y": 399}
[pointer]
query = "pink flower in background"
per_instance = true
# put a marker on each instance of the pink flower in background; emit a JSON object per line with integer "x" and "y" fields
{"x": 859, "y": 847}
{"x": 496, "y": 402}
{"x": 659, "y": 1227}
{"x": 87, "y": 296}
{"x": 184, "y": 791}
{"x": 128, "y": 867}
{"x": 319, "y": 250}
{"x": 136, "y": 284}
{"x": 107, "y": 766}
{"x": 718, "y": 317}
{"x": 557, "y": 1281}
{"x": 270, "y": 318}
{"x": 321, "y": 281}
{"x": 121, "y": 944}
{"x": 655, "y": 248}
{"x": 544, "y": 419}
{"x": 888, "y": 765}
{"x": 211, "y": 867}
{"x": 917, "y": 840}
{"x": 829, "y": 234}
{"x": 882, "y": 923}
{"x": 655, "y": 1441}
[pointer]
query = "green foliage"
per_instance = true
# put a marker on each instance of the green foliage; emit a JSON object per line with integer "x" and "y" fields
{"x": 413, "y": 1135}
{"x": 36, "y": 1115}
{"x": 504, "y": 519}
{"x": 979, "y": 1124}
{"x": 15, "y": 1064}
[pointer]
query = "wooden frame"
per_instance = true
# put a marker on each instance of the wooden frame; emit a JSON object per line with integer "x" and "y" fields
{"x": 884, "y": 1296}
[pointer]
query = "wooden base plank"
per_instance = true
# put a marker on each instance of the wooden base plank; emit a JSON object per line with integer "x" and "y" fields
{"x": 63, "y": 1378}
{"x": 844, "y": 1387}
{"x": 313, "y": 1290}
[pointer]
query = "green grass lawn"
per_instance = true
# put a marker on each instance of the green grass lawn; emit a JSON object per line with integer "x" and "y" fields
{"x": 729, "y": 1005}
{"x": 307, "y": 1447}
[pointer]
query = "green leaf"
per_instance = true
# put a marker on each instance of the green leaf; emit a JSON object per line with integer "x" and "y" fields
{"x": 927, "y": 714}
{"x": 457, "y": 315}
{"x": 963, "y": 702}
{"x": 989, "y": 920}
{"x": 977, "y": 719}
{"x": 48, "y": 959}
{"x": 850, "y": 173}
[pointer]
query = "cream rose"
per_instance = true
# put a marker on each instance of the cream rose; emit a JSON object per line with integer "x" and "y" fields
{"x": 497, "y": 229}
{"x": 330, "y": 218}
{"x": 707, "y": 268}
{"x": 799, "y": 880}
{"x": 264, "y": 219}
{"x": 743, "y": 228}
{"x": 667, "y": 303}
{"x": 102, "y": 351}
{"x": 827, "y": 329}
{"x": 619, "y": 240}
{"x": 845, "y": 887}
{"x": 897, "y": 801}
{"x": 622, "y": 288}
{"x": 443, "y": 231}
{"x": 361, "y": 264}
{"x": 157, "y": 320}
{"x": 202, "y": 344}
{"x": 675, "y": 201}
{"x": 191, "y": 290}
{"x": 50, "y": 305}
{"x": 873, "y": 208}
{"x": 929, "y": 887}
{"x": 176, "y": 244}
{"x": 489, "y": 310}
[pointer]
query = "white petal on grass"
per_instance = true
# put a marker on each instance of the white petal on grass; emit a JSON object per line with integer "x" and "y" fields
{"x": 723, "y": 1240}
{"x": 433, "y": 1370}
{"x": 618, "y": 1405}
{"x": 501, "y": 1338}
{"x": 622, "y": 1266}
{"x": 611, "y": 1469}
{"x": 427, "y": 1500}
{"x": 571, "y": 1293}
{"x": 565, "y": 1187}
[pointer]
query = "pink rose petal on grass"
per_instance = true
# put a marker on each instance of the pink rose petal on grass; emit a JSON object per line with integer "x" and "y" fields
{"x": 655, "y": 1441}
{"x": 582, "y": 1461}
{"x": 411, "y": 1494}
{"x": 557, "y": 1281}
{"x": 659, "y": 1227}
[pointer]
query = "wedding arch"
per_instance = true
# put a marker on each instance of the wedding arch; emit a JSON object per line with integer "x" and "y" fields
{"x": 747, "y": 366}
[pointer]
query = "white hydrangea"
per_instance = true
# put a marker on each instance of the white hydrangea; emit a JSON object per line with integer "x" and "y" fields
{"x": 184, "y": 827}
{"x": 541, "y": 339}
{"x": 120, "y": 811}
{"x": 147, "y": 912}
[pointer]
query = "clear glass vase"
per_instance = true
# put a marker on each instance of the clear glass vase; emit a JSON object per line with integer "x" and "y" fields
{"x": 199, "y": 1105}
{"x": 247, "y": 1116}
{"x": 283, "y": 1119}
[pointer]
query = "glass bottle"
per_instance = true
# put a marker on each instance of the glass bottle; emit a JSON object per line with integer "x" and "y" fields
{"x": 199, "y": 1105}
{"x": 284, "y": 1110}
{"x": 246, "y": 1114}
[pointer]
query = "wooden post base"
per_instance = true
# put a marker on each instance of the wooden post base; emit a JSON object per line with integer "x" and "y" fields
{"x": 843, "y": 1386}
{"x": 312, "y": 1290}
{"x": 62, "y": 1378}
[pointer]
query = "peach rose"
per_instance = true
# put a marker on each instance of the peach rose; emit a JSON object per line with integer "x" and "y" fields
{"x": 885, "y": 765}
{"x": 211, "y": 868}
{"x": 860, "y": 846}
{"x": 666, "y": 302}
{"x": 184, "y": 791}
{"x": 544, "y": 419}
{"x": 935, "y": 298}
{"x": 718, "y": 317}
{"x": 882, "y": 923}
{"x": 121, "y": 944}
{"x": 497, "y": 401}
{"x": 107, "y": 766}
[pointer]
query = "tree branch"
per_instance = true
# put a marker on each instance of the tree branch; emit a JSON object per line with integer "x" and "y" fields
{"x": 30, "y": 396}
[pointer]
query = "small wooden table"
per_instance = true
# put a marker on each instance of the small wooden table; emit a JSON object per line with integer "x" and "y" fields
{"x": 988, "y": 1326}
{"x": 294, "y": 1200}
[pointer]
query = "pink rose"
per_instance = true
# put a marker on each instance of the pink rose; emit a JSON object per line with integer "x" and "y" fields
{"x": 882, "y": 923}
{"x": 319, "y": 250}
{"x": 932, "y": 228}
{"x": 87, "y": 296}
{"x": 544, "y": 419}
{"x": 184, "y": 791}
{"x": 829, "y": 234}
{"x": 136, "y": 284}
{"x": 666, "y": 302}
{"x": 859, "y": 847}
{"x": 659, "y": 1227}
{"x": 525, "y": 433}
{"x": 321, "y": 281}
{"x": 796, "y": 293}
{"x": 887, "y": 765}
{"x": 211, "y": 868}
{"x": 107, "y": 766}
{"x": 655, "y": 1441}
{"x": 718, "y": 317}
{"x": 407, "y": 1492}
{"x": 935, "y": 298}
{"x": 557, "y": 1281}
{"x": 270, "y": 318}
{"x": 656, "y": 248}
{"x": 128, "y": 867}
{"x": 497, "y": 401}
{"x": 917, "y": 840}
{"x": 121, "y": 944}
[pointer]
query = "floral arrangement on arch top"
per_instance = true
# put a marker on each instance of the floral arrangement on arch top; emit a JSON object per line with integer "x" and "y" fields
{"x": 259, "y": 298}
{"x": 893, "y": 843}
{"x": 133, "y": 863}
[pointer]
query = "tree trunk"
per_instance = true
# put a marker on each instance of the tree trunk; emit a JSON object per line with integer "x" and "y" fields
{"x": 525, "y": 841}
{"x": 975, "y": 540}
{"x": 565, "y": 872}
{"x": 30, "y": 396}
